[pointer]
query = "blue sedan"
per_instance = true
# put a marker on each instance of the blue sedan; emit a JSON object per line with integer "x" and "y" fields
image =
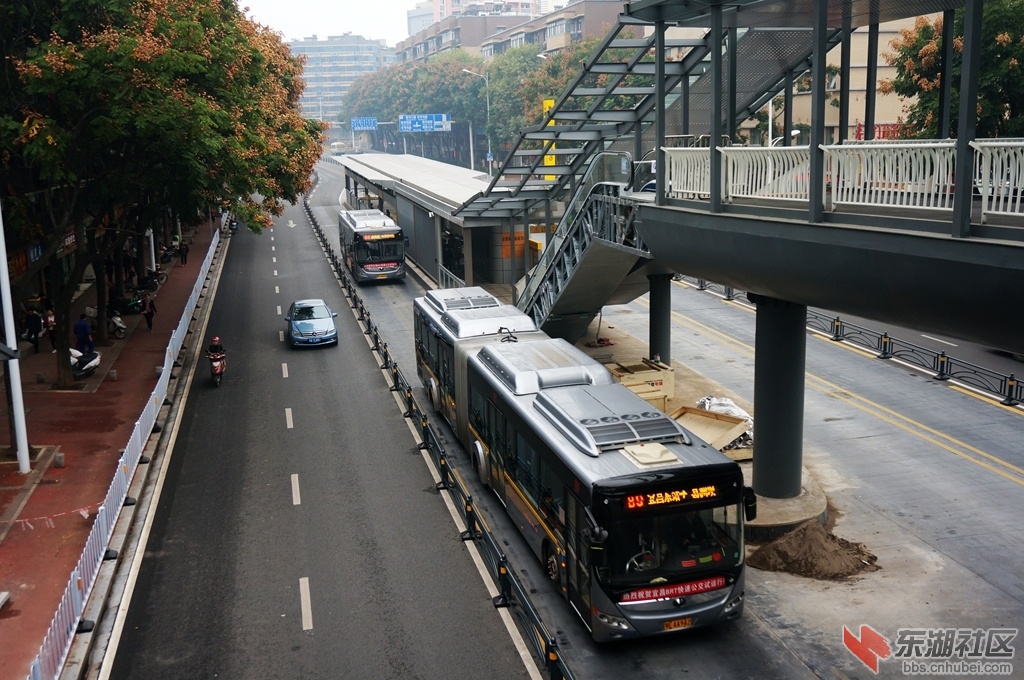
{"x": 311, "y": 322}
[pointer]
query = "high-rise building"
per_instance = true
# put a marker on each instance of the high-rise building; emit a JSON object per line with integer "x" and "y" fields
{"x": 332, "y": 65}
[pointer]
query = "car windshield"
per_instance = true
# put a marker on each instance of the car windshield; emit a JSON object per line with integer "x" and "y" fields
{"x": 309, "y": 313}
{"x": 672, "y": 546}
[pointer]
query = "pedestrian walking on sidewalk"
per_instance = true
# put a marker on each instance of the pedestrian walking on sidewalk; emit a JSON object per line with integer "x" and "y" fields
{"x": 83, "y": 334}
{"x": 148, "y": 310}
{"x": 33, "y": 327}
{"x": 183, "y": 252}
{"x": 50, "y": 325}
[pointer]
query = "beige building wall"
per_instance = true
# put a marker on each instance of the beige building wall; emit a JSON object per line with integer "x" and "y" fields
{"x": 889, "y": 108}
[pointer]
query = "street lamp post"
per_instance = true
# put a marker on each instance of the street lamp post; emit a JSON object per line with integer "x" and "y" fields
{"x": 487, "y": 94}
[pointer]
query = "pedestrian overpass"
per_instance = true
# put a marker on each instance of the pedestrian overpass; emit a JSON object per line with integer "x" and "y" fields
{"x": 923, "y": 233}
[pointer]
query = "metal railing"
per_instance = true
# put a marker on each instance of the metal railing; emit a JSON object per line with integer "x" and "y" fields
{"x": 512, "y": 594}
{"x": 689, "y": 172}
{"x": 67, "y": 620}
{"x": 774, "y": 173}
{"x": 917, "y": 174}
{"x": 943, "y": 367}
{"x": 913, "y": 173}
{"x": 999, "y": 176}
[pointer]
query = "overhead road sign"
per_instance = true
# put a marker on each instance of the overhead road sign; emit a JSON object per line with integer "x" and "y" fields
{"x": 425, "y": 122}
{"x": 363, "y": 124}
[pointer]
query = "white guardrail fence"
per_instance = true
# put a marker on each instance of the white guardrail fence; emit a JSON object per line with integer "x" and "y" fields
{"x": 57, "y": 643}
{"x": 883, "y": 173}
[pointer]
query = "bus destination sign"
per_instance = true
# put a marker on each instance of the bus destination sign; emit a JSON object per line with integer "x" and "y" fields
{"x": 669, "y": 498}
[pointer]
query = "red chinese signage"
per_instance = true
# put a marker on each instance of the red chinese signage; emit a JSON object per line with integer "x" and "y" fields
{"x": 677, "y": 590}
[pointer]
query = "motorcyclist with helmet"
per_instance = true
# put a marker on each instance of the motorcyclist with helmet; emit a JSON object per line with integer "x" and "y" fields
{"x": 216, "y": 351}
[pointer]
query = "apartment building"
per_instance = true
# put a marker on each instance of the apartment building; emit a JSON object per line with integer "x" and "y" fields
{"x": 332, "y": 65}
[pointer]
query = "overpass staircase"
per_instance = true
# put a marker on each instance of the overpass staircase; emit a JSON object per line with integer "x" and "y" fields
{"x": 596, "y": 256}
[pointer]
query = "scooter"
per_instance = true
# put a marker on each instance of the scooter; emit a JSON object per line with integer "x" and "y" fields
{"x": 132, "y": 305}
{"x": 83, "y": 365}
{"x": 218, "y": 364}
{"x": 233, "y": 226}
{"x": 115, "y": 325}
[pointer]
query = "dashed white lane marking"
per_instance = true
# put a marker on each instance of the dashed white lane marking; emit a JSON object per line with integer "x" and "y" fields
{"x": 275, "y": 272}
{"x": 279, "y": 310}
{"x": 277, "y": 290}
{"x": 296, "y": 498}
{"x": 944, "y": 342}
{"x": 273, "y": 259}
{"x": 307, "y": 606}
{"x": 273, "y": 248}
{"x": 284, "y": 370}
{"x": 288, "y": 418}
{"x": 280, "y": 336}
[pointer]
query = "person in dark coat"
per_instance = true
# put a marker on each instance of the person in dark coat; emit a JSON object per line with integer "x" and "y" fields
{"x": 33, "y": 328}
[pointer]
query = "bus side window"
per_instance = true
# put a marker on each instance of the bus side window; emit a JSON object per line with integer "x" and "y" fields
{"x": 476, "y": 403}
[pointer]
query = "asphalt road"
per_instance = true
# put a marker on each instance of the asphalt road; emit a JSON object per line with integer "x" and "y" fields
{"x": 299, "y": 533}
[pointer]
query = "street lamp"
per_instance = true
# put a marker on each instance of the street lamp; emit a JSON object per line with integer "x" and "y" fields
{"x": 487, "y": 93}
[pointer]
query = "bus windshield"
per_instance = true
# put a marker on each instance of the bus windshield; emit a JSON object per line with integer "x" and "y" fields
{"x": 379, "y": 250}
{"x": 672, "y": 546}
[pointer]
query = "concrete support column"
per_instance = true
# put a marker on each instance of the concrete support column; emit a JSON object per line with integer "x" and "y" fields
{"x": 779, "y": 364}
{"x": 467, "y": 255}
{"x": 661, "y": 318}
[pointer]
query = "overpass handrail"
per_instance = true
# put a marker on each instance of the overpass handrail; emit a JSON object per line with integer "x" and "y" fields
{"x": 688, "y": 172}
{"x": 907, "y": 175}
{"x": 999, "y": 175}
{"x": 779, "y": 173}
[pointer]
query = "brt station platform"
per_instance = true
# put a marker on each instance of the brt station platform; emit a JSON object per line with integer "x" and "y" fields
{"x": 449, "y": 250}
{"x": 423, "y": 197}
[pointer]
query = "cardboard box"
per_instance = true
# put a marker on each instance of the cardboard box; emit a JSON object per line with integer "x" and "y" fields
{"x": 717, "y": 429}
{"x": 651, "y": 380}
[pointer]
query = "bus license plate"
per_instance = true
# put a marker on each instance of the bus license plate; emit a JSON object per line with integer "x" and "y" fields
{"x": 382, "y": 276}
{"x": 676, "y": 624}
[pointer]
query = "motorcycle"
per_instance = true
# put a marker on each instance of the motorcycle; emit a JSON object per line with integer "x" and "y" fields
{"x": 167, "y": 254}
{"x": 149, "y": 282}
{"x": 218, "y": 364}
{"x": 234, "y": 226}
{"x": 83, "y": 365}
{"x": 132, "y": 305}
{"x": 115, "y": 326}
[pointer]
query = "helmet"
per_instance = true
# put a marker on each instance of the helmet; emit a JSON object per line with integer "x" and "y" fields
{"x": 216, "y": 340}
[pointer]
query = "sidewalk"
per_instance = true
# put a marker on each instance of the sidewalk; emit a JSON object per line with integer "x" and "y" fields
{"x": 46, "y": 516}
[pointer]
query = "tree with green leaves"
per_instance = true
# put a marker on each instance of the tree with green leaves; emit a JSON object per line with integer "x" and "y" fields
{"x": 917, "y": 58}
{"x": 115, "y": 114}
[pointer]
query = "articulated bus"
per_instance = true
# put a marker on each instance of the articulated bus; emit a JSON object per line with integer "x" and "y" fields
{"x": 372, "y": 245}
{"x": 637, "y": 522}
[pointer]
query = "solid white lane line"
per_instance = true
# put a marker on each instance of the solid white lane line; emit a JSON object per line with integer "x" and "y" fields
{"x": 288, "y": 418}
{"x": 944, "y": 342}
{"x": 307, "y": 606}
{"x": 279, "y": 310}
{"x": 284, "y": 370}
{"x": 296, "y": 498}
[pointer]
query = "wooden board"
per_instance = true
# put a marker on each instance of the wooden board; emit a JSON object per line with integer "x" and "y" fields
{"x": 717, "y": 429}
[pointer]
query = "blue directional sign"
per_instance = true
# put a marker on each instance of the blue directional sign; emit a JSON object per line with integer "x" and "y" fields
{"x": 425, "y": 122}
{"x": 363, "y": 124}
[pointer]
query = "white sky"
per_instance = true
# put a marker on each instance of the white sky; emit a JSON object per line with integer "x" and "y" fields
{"x": 296, "y": 19}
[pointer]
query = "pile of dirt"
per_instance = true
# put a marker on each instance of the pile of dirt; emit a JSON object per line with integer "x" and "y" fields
{"x": 811, "y": 551}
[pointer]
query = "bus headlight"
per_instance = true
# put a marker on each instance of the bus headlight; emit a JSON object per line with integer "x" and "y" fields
{"x": 733, "y": 604}
{"x": 612, "y": 621}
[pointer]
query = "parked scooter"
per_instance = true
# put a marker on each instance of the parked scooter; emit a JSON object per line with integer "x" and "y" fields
{"x": 218, "y": 364}
{"x": 167, "y": 254}
{"x": 115, "y": 326}
{"x": 83, "y": 365}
